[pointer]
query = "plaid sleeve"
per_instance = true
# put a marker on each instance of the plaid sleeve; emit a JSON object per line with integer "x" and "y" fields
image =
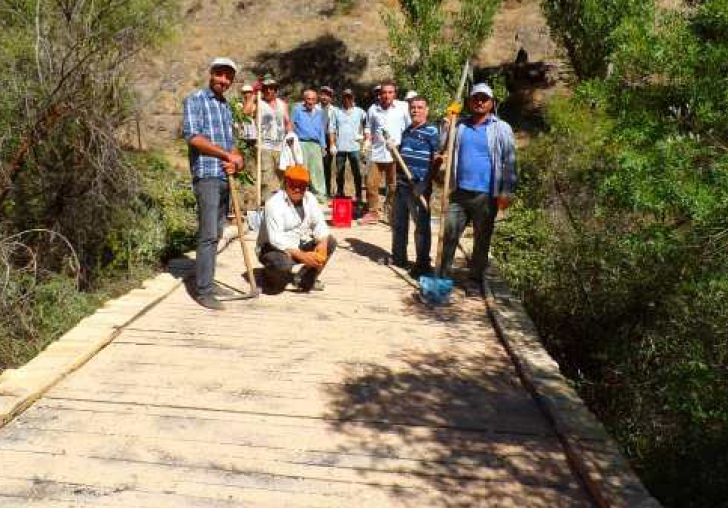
{"x": 191, "y": 124}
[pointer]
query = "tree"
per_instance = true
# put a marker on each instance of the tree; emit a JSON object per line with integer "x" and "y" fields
{"x": 429, "y": 44}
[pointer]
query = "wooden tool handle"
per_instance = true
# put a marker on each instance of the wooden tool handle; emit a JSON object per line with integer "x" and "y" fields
{"x": 445, "y": 198}
{"x": 407, "y": 172}
{"x": 259, "y": 149}
{"x": 234, "y": 190}
{"x": 452, "y": 132}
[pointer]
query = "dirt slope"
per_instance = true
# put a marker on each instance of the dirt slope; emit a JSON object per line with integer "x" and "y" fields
{"x": 302, "y": 42}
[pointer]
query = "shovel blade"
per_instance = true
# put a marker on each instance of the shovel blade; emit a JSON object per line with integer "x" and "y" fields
{"x": 435, "y": 290}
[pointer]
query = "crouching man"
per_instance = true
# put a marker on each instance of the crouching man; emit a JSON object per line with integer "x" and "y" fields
{"x": 294, "y": 231}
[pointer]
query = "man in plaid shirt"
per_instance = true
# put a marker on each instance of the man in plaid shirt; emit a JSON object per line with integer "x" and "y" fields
{"x": 208, "y": 130}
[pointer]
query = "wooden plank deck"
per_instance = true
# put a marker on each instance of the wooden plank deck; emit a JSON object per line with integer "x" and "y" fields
{"x": 352, "y": 396}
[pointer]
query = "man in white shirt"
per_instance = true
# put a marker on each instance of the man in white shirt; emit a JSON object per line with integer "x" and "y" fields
{"x": 294, "y": 231}
{"x": 389, "y": 119}
{"x": 275, "y": 123}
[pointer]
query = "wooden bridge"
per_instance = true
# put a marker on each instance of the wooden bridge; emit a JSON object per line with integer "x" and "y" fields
{"x": 354, "y": 396}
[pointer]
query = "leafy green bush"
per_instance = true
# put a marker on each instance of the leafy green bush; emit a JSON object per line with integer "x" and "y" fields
{"x": 585, "y": 28}
{"x": 619, "y": 245}
{"x": 424, "y": 53}
{"x": 34, "y": 313}
{"x": 39, "y": 303}
{"x": 159, "y": 222}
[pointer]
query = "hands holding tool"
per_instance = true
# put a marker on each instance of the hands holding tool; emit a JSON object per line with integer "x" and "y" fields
{"x": 234, "y": 163}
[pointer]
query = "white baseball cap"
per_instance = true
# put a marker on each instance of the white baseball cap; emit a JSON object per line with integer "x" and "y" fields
{"x": 481, "y": 88}
{"x": 411, "y": 95}
{"x": 247, "y": 88}
{"x": 223, "y": 61}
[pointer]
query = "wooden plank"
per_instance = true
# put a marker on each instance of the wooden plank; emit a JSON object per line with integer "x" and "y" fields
{"x": 350, "y": 396}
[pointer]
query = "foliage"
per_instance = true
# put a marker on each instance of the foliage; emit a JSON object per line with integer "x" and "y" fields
{"x": 245, "y": 177}
{"x": 619, "y": 245}
{"x": 585, "y": 28}
{"x": 429, "y": 43}
{"x": 65, "y": 102}
{"x": 39, "y": 300}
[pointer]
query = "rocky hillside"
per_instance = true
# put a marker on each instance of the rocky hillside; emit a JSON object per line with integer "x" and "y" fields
{"x": 302, "y": 42}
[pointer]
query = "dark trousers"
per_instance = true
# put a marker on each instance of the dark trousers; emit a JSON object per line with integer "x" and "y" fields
{"x": 353, "y": 158}
{"x": 406, "y": 204}
{"x": 467, "y": 206}
{"x": 278, "y": 266}
{"x": 212, "y": 196}
{"x": 328, "y": 162}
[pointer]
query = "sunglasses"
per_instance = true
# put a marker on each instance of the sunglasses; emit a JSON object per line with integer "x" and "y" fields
{"x": 295, "y": 184}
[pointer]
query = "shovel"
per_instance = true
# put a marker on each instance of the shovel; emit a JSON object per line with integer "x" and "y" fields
{"x": 258, "y": 149}
{"x": 435, "y": 290}
{"x": 254, "y": 291}
{"x": 398, "y": 157}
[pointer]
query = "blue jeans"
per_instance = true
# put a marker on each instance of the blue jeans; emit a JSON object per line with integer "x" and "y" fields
{"x": 212, "y": 196}
{"x": 468, "y": 206}
{"x": 406, "y": 204}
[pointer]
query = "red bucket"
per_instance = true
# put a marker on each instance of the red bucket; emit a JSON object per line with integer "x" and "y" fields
{"x": 341, "y": 212}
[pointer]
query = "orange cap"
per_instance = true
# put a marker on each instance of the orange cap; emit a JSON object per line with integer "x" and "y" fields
{"x": 297, "y": 173}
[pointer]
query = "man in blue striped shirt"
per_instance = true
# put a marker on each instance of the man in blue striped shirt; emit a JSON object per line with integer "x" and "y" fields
{"x": 419, "y": 150}
{"x": 208, "y": 130}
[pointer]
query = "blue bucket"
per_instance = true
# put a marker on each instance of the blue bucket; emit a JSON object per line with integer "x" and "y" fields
{"x": 435, "y": 290}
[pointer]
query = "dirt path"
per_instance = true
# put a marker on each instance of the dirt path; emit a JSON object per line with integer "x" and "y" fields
{"x": 351, "y": 396}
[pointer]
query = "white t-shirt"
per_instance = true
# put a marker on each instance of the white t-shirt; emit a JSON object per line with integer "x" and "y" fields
{"x": 394, "y": 120}
{"x": 284, "y": 229}
{"x": 273, "y": 127}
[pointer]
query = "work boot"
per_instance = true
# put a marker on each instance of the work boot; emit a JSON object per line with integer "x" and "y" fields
{"x": 473, "y": 288}
{"x": 209, "y": 302}
{"x": 390, "y": 261}
{"x": 419, "y": 270}
{"x": 305, "y": 279}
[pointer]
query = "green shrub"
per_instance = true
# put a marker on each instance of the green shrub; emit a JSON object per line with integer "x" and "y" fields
{"x": 424, "y": 54}
{"x": 159, "y": 222}
{"x": 619, "y": 246}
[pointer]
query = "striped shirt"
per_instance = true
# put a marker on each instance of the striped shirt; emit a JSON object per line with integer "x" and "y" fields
{"x": 418, "y": 148}
{"x": 207, "y": 116}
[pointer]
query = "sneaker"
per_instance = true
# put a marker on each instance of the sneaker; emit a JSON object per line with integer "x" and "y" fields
{"x": 209, "y": 302}
{"x": 221, "y": 291}
{"x": 473, "y": 288}
{"x": 369, "y": 218}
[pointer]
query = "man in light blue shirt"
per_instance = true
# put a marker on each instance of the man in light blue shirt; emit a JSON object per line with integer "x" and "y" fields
{"x": 347, "y": 128}
{"x": 308, "y": 124}
{"x": 483, "y": 181}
